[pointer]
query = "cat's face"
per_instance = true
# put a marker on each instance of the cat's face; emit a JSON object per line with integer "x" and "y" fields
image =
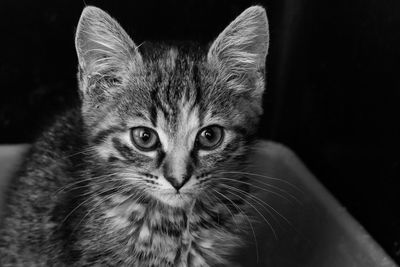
{"x": 170, "y": 122}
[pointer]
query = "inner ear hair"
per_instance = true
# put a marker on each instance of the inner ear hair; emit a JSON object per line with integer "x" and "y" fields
{"x": 105, "y": 51}
{"x": 242, "y": 47}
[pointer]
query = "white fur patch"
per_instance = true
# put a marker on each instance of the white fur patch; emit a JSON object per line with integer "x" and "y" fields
{"x": 144, "y": 233}
{"x": 171, "y": 58}
{"x": 120, "y": 215}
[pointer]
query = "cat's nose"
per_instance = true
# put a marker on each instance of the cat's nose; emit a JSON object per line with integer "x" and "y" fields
{"x": 177, "y": 184}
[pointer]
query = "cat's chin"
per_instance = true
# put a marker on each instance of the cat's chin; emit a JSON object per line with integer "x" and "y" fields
{"x": 177, "y": 200}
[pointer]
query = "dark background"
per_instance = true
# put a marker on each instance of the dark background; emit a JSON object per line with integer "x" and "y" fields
{"x": 333, "y": 91}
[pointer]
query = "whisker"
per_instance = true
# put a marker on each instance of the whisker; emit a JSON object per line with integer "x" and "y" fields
{"x": 281, "y": 190}
{"x": 247, "y": 218}
{"x": 262, "y": 215}
{"x": 86, "y": 150}
{"x": 226, "y": 207}
{"x": 278, "y": 213}
{"x": 83, "y": 180}
{"x": 96, "y": 194}
{"x": 89, "y": 192}
{"x": 102, "y": 200}
{"x": 101, "y": 177}
{"x": 262, "y": 203}
{"x": 261, "y": 188}
{"x": 265, "y": 177}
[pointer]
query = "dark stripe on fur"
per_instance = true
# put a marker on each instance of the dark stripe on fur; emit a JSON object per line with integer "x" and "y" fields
{"x": 197, "y": 83}
{"x": 194, "y": 156}
{"x": 103, "y": 134}
{"x": 189, "y": 169}
{"x": 129, "y": 154}
{"x": 153, "y": 115}
{"x": 160, "y": 158}
{"x": 112, "y": 159}
{"x": 157, "y": 102}
{"x": 123, "y": 149}
{"x": 167, "y": 230}
{"x": 172, "y": 95}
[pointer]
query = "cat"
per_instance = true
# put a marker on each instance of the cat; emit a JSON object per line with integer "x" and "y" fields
{"x": 140, "y": 173}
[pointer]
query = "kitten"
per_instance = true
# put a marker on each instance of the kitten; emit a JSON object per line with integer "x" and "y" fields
{"x": 139, "y": 175}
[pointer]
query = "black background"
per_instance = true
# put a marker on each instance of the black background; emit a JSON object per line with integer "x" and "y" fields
{"x": 333, "y": 91}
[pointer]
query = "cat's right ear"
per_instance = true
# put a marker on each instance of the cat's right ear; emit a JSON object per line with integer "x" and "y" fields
{"x": 240, "y": 50}
{"x": 104, "y": 49}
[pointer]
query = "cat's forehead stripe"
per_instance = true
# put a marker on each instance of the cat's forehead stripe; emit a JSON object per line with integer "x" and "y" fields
{"x": 175, "y": 82}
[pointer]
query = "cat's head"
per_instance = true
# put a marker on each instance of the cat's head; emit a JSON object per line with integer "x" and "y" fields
{"x": 168, "y": 122}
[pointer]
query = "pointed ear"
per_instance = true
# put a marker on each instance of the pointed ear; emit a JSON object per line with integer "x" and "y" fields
{"x": 104, "y": 49}
{"x": 242, "y": 47}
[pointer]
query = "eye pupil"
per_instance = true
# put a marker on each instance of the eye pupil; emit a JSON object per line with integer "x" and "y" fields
{"x": 145, "y": 136}
{"x": 209, "y": 134}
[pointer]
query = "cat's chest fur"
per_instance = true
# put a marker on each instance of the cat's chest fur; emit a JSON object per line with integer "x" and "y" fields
{"x": 135, "y": 234}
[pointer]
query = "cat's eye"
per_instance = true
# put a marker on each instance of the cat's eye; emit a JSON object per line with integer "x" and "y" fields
{"x": 210, "y": 137}
{"x": 144, "y": 138}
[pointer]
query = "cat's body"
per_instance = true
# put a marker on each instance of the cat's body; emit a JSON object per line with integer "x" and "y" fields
{"x": 89, "y": 195}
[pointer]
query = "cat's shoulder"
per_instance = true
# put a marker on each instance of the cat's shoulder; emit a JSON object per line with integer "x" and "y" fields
{"x": 34, "y": 192}
{"x": 51, "y": 156}
{"x": 64, "y": 135}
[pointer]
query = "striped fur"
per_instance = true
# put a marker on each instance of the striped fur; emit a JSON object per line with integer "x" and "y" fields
{"x": 88, "y": 196}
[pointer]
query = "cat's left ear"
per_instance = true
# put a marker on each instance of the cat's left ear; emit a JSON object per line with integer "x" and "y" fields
{"x": 241, "y": 49}
{"x": 103, "y": 47}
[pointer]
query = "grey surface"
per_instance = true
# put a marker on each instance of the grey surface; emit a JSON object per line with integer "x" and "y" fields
{"x": 312, "y": 229}
{"x": 320, "y": 232}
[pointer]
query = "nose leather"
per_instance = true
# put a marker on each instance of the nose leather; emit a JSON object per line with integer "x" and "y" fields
{"x": 176, "y": 183}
